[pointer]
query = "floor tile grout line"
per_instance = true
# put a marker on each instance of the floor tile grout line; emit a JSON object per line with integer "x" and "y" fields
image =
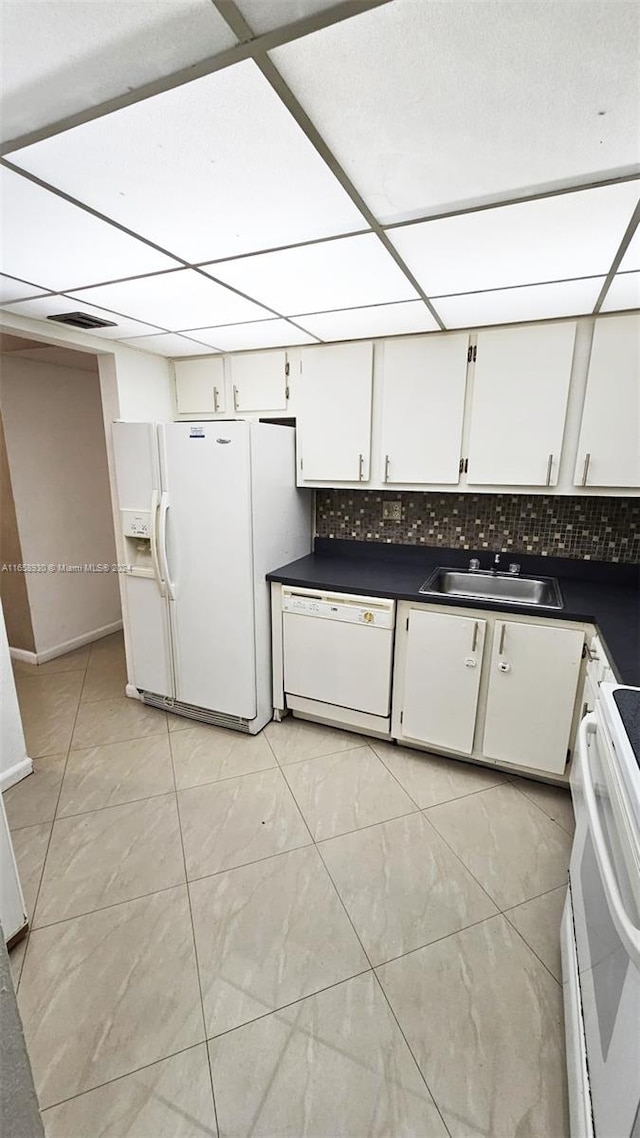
{"x": 466, "y": 794}
{"x": 112, "y": 805}
{"x": 126, "y": 1075}
{"x": 193, "y": 934}
{"x": 532, "y": 949}
{"x": 46, "y": 855}
{"x": 539, "y": 807}
{"x": 112, "y": 905}
{"x": 410, "y": 1050}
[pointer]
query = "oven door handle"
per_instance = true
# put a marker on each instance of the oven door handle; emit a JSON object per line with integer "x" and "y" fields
{"x": 627, "y": 931}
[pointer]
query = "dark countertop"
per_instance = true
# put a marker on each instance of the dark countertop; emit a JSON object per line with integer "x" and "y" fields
{"x": 599, "y": 593}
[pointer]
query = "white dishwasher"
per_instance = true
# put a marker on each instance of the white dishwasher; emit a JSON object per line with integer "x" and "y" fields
{"x": 338, "y": 657}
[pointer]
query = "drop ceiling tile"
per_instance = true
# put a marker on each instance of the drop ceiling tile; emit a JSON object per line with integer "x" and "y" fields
{"x": 169, "y": 344}
{"x": 47, "y": 306}
{"x": 174, "y": 301}
{"x": 333, "y": 274}
{"x": 378, "y": 320}
{"x": 265, "y": 15}
{"x": 58, "y": 59}
{"x": 623, "y": 292}
{"x": 427, "y": 105}
{"x": 212, "y": 169}
{"x": 45, "y": 238}
{"x": 557, "y": 238}
{"x": 631, "y": 260}
{"x": 507, "y": 306}
{"x": 11, "y": 289}
{"x": 257, "y": 334}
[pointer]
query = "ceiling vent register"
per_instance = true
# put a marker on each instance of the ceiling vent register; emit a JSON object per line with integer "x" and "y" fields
{"x": 82, "y": 320}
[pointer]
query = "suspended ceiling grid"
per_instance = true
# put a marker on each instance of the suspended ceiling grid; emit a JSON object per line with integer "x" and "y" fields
{"x": 221, "y": 176}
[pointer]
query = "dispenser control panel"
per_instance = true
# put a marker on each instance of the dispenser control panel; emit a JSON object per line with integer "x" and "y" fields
{"x": 136, "y": 523}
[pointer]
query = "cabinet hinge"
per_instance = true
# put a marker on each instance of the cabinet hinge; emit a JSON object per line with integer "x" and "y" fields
{"x": 401, "y": 716}
{"x": 286, "y": 392}
{"x": 301, "y": 467}
{"x": 286, "y": 368}
{"x": 470, "y": 354}
{"x": 584, "y": 650}
{"x": 475, "y": 352}
{"x": 461, "y": 466}
{"x": 466, "y": 465}
{"x": 407, "y": 625}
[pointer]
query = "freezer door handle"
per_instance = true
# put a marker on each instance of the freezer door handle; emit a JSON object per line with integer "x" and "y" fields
{"x": 155, "y": 503}
{"x": 162, "y": 544}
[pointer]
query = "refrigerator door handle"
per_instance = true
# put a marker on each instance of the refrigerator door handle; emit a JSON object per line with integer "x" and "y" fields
{"x": 155, "y": 503}
{"x": 162, "y": 543}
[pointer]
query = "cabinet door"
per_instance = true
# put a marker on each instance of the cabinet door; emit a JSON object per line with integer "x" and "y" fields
{"x": 442, "y": 679}
{"x": 520, "y": 392}
{"x": 334, "y": 418}
{"x": 532, "y": 691}
{"x": 258, "y": 381}
{"x": 423, "y": 390}
{"x": 609, "y": 444}
{"x": 199, "y": 386}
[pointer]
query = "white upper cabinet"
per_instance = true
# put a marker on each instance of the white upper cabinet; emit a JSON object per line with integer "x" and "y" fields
{"x": 520, "y": 392}
{"x": 334, "y": 413}
{"x": 423, "y": 391}
{"x": 200, "y": 386}
{"x": 258, "y": 381}
{"x": 609, "y": 444}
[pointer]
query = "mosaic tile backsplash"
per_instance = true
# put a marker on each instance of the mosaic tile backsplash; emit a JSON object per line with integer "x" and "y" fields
{"x": 592, "y": 529}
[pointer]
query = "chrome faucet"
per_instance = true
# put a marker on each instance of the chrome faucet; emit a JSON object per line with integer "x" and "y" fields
{"x": 514, "y": 568}
{"x": 474, "y": 564}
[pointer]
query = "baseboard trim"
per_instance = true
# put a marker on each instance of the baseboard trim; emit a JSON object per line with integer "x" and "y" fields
{"x": 67, "y": 646}
{"x": 15, "y": 773}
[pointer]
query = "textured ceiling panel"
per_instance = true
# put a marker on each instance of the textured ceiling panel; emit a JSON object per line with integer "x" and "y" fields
{"x": 212, "y": 169}
{"x": 378, "y": 320}
{"x": 334, "y": 274}
{"x": 46, "y": 239}
{"x": 623, "y": 292}
{"x": 61, "y": 58}
{"x": 175, "y": 301}
{"x": 257, "y": 334}
{"x": 265, "y": 15}
{"x": 168, "y": 344}
{"x": 427, "y": 105}
{"x": 12, "y": 289}
{"x": 54, "y": 305}
{"x": 507, "y": 306}
{"x": 570, "y": 235}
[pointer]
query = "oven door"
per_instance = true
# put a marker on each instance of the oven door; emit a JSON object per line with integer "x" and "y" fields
{"x": 606, "y": 917}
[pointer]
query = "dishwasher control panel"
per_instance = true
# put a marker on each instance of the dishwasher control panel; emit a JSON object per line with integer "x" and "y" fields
{"x": 372, "y": 611}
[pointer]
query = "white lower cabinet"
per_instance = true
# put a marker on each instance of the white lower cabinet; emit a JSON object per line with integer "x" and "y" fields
{"x": 513, "y": 704}
{"x": 534, "y": 671}
{"x": 442, "y": 679}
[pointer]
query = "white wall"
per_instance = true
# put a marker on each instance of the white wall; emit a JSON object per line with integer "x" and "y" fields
{"x": 14, "y": 763}
{"x": 57, "y": 455}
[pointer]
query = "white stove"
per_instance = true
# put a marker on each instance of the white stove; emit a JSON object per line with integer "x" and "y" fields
{"x": 601, "y": 924}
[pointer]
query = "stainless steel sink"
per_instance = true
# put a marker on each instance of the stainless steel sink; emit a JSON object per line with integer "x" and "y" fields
{"x": 505, "y": 588}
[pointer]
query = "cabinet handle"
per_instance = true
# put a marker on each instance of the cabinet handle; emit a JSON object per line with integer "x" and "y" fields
{"x": 549, "y": 465}
{"x": 215, "y": 400}
{"x": 585, "y": 472}
{"x": 475, "y": 636}
{"x": 502, "y": 635}
{"x": 235, "y": 397}
{"x": 386, "y": 467}
{"x": 360, "y": 467}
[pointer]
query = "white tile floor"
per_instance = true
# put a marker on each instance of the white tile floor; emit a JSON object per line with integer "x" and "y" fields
{"x": 298, "y": 934}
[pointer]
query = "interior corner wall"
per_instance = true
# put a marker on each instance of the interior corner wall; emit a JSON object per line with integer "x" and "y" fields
{"x": 13, "y": 587}
{"x": 57, "y": 457}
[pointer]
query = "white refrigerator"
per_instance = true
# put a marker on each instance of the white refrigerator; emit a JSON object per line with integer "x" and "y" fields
{"x": 206, "y": 510}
